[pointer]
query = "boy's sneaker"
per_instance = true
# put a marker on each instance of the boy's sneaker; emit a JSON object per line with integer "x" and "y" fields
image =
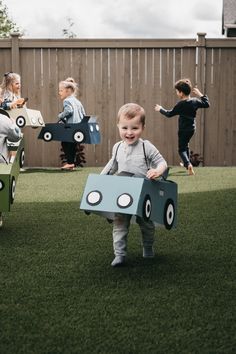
{"x": 190, "y": 170}
{"x": 148, "y": 252}
{"x": 118, "y": 261}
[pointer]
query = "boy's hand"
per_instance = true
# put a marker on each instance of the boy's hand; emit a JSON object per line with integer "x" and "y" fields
{"x": 157, "y": 107}
{"x": 197, "y": 92}
{"x": 152, "y": 174}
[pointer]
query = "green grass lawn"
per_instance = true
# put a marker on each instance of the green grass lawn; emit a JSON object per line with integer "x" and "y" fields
{"x": 59, "y": 294}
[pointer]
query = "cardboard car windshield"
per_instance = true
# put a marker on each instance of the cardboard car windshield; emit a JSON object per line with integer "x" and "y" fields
{"x": 154, "y": 200}
{"x": 8, "y": 177}
{"x": 86, "y": 132}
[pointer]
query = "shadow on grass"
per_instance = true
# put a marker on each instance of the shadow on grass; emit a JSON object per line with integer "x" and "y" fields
{"x": 48, "y": 170}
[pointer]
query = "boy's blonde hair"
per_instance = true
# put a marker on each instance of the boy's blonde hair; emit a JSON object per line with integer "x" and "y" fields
{"x": 131, "y": 110}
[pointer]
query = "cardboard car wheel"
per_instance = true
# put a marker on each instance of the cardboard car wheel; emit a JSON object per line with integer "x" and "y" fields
{"x": 20, "y": 121}
{"x": 2, "y": 185}
{"x": 12, "y": 189}
{"x": 79, "y": 136}
{"x": 169, "y": 214}
{"x": 47, "y": 136}
{"x": 22, "y": 158}
{"x": 147, "y": 208}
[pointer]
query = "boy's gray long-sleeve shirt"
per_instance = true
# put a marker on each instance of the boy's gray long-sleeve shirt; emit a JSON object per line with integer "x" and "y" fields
{"x": 131, "y": 158}
{"x": 10, "y": 131}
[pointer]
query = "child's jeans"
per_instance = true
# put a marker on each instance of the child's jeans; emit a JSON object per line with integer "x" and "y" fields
{"x": 121, "y": 225}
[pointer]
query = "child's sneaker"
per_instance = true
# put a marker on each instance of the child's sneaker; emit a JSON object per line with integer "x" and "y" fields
{"x": 148, "y": 252}
{"x": 1, "y": 221}
{"x": 190, "y": 170}
{"x": 118, "y": 261}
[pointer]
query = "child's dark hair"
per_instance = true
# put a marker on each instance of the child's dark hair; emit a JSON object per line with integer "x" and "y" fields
{"x": 184, "y": 85}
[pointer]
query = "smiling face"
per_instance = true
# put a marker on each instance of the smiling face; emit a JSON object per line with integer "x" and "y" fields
{"x": 130, "y": 129}
{"x": 16, "y": 85}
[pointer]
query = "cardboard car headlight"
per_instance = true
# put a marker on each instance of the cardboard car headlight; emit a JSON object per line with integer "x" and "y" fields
{"x": 86, "y": 132}
{"x": 154, "y": 200}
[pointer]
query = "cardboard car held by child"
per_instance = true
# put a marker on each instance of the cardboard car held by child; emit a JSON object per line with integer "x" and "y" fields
{"x": 25, "y": 117}
{"x": 154, "y": 200}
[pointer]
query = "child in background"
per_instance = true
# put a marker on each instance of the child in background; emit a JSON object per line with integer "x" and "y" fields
{"x": 140, "y": 158}
{"x": 8, "y": 130}
{"x": 186, "y": 108}
{"x": 10, "y": 91}
{"x": 10, "y": 95}
{"x": 73, "y": 112}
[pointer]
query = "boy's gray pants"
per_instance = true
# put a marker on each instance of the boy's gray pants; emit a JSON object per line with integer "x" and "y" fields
{"x": 121, "y": 225}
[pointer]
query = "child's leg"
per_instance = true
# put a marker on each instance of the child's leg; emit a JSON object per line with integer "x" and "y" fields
{"x": 148, "y": 231}
{"x": 121, "y": 225}
{"x": 69, "y": 150}
{"x": 183, "y": 142}
{"x": 71, "y": 153}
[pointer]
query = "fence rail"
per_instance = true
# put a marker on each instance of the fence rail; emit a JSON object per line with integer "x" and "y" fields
{"x": 111, "y": 72}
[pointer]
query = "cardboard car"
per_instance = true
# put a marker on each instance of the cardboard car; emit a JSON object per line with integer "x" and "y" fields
{"x": 8, "y": 177}
{"x": 154, "y": 200}
{"x": 86, "y": 132}
{"x": 25, "y": 117}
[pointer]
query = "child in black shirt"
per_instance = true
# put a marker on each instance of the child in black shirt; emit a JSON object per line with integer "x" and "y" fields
{"x": 186, "y": 108}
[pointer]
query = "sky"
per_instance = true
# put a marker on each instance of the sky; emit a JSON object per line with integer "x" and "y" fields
{"x": 117, "y": 18}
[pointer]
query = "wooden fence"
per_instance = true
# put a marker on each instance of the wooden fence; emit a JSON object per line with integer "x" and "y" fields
{"x": 112, "y": 72}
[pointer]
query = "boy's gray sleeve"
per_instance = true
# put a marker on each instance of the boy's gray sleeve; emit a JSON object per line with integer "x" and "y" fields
{"x": 155, "y": 158}
{"x": 14, "y": 133}
{"x": 112, "y": 165}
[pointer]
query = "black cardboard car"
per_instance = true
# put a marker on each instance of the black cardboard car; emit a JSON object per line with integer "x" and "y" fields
{"x": 86, "y": 132}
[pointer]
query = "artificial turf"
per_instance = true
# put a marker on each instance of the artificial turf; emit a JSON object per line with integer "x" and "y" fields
{"x": 59, "y": 294}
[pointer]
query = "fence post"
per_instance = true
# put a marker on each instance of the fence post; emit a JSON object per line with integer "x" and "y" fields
{"x": 15, "y": 53}
{"x": 201, "y": 82}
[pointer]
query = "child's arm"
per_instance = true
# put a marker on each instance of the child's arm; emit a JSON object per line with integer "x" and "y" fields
{"x": 14, "y": 132}
{"x": 157, "y": 162}
{"x": 168, "y": 114}
{"x": 67, "y": 112}
{"x": 202, "y": 99}
{"x": 155, "y": 173}
{"x": 7, "y": 104}
{"x": 112, "y": 165}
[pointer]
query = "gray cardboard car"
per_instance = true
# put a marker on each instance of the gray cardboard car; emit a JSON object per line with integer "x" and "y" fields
{"x": 154, "y": 200}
